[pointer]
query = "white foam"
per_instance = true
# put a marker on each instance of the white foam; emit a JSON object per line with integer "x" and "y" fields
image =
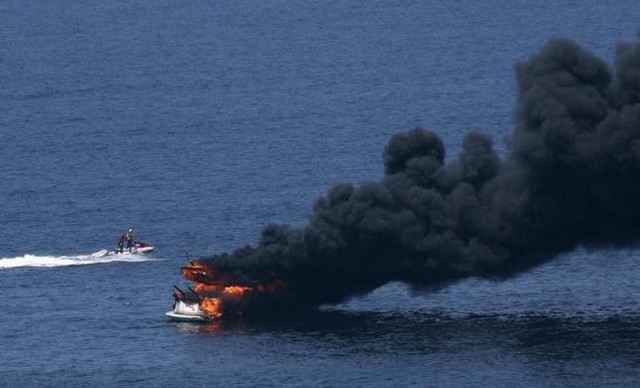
{"x": 62, "y": 261}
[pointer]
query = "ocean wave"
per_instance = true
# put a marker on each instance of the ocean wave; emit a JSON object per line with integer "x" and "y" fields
{"x": 63, "y": 261}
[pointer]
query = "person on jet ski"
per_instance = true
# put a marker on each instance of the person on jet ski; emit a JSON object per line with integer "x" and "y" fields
{"x": 130, "y": 242}
{"x": 121, "y": 238}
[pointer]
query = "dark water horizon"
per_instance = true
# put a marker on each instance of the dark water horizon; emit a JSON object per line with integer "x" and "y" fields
{"x": 200, "y": 123}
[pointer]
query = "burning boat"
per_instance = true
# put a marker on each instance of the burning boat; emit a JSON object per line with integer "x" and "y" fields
{"x": 215, "y": 293}
{"x": 186, "y": 307}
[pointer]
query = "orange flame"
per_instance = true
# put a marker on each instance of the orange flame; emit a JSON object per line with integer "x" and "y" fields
{"x": 236, "y": 290}
{"x": 207, "y": 288}
{"x": 195, "y": 271}
{"x": 206, "y": 283}
{"x": 211, "y": 306}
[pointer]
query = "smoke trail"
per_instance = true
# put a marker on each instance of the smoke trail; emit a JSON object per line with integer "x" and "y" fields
{"x": 572, "y": 177}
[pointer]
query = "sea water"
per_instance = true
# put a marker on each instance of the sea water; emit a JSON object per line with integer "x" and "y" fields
{"x": 198, "y": 123}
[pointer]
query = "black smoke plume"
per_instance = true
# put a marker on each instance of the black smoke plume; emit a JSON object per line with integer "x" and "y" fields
{"x": 572, "y": 177}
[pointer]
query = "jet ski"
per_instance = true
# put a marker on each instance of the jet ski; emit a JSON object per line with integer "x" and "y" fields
{"x": 139, "y": 248}
{"x": 186, "y": 307}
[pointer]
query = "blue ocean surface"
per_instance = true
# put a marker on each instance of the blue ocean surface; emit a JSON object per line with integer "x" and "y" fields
{"x": 198, "y": 123}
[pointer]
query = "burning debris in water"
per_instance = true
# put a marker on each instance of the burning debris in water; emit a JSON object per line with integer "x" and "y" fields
{"x": 572, "y": 177}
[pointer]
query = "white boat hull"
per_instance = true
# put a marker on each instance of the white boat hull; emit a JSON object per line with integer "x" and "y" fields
{"x": 187, "y": 317}
{"x": 189, "y": 311}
